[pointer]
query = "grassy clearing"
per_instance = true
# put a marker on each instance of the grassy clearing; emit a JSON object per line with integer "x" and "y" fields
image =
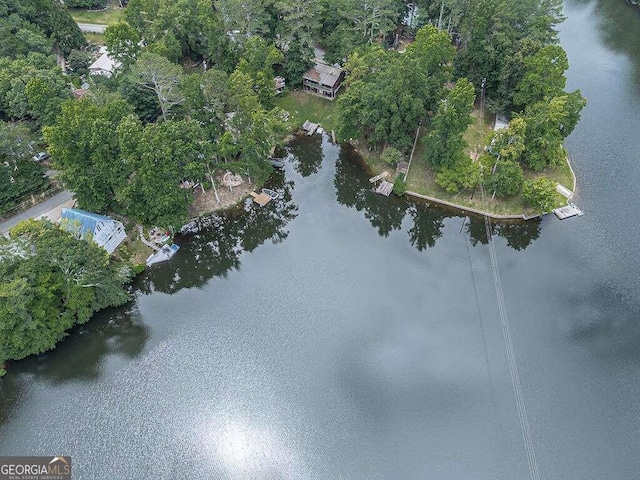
{"x": 421, "y": 177}
{"x": 303, "y": 106}
{"x": 108, "y": 16}
{"x": 96, "y": 38}
{"x": 421, "y": 180}
{"x": 477, "y": 133}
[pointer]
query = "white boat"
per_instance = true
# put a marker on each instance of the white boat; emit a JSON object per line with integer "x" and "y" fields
{"x": 162, "y": 255}
{"x": 271, "y": 193}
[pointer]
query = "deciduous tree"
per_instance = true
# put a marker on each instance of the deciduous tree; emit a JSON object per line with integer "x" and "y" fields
{"x": 51, "y": 282}
{"x": 444, "y": 145}
{"x": 540, "y": 194}
{"x": 156, "y": 74}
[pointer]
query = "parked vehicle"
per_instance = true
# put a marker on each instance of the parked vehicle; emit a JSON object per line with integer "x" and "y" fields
{"x": 41, "y": 156}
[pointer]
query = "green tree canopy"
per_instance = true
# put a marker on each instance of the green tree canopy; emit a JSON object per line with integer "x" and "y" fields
{"x": 51, "y": 282}
{"x": 123, "y": 42}
{"x": 178, "y": 28}
{"x": 544, "y": 76}
{"x": 444, "y": 145}
{"x": 540, "y": 194}
{"x": 154, "y": 73}
{"x": 257, "y": 61}
{"x": 508, "y": 144}
{"x": 548, "y": 123}
{"x": 84, "y": 146}
{"x": 507, "y": 178}
{"x": 161, "y": 156}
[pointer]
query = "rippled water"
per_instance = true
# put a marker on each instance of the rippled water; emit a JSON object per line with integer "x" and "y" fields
{"x": 338, "y": 334}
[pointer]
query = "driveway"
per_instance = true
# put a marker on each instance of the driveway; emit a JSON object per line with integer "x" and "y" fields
{"x": 92, "y": 27}
{"x": 37, "y": 210}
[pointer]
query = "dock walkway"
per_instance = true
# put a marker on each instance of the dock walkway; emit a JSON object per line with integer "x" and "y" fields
{"x": 384, "y": 174}
{"x": 145, "y": 241}
{"x": 261, "y": 199}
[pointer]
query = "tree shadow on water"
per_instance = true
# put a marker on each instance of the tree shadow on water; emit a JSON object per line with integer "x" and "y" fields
{"x": 354, "y": 190}
{"x": 428, "y": 222}
{"x": 518, "y": 234}
{"x": 216, "y": 242}
{"x": 305, "y": 154}
{"x": 79, "y": 357}
{"x": 117, "y": 331}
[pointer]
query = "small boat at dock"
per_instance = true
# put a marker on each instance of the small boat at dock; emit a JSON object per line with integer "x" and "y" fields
{"x": 273, "y": 194}
{"x": 165, "y": 253}
{"x": 277, "y": 162}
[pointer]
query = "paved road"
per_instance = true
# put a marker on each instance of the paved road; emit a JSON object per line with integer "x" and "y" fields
{"x": 36, "y": 210}
{"x": 92, "y": 27}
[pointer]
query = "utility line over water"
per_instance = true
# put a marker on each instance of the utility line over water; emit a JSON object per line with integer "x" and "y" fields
{"x": 511, "y": 358}
{"x": 506, "y": 331}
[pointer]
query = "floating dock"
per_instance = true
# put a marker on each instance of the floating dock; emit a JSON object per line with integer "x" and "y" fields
{"x": 569, "y": 211}
{"x": 385, "y": 188}
{"x": 384, "y": 174}
{"x": 261, "y": 199}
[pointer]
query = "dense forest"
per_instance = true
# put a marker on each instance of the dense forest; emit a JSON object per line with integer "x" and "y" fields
{"x": 193, "y": 95}
{"x": 194, "y": 90}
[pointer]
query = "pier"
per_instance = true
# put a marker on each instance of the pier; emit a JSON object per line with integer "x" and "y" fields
{"x": 385, "y": 188}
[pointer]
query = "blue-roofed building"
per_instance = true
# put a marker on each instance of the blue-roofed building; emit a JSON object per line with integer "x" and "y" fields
{"x": 105, "y": 231}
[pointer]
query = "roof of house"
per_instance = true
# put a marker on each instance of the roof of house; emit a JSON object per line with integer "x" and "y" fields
{"x": 323, "y": 74}
{"x": 88, "y": 220}
{"x": 500, "y": 122}
{"x": 79, "y": 92}
{"x": 105, "y": 63}
{"x": 279, "y": 82}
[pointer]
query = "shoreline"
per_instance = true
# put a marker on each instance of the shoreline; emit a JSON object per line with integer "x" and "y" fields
{"x": 475, "y": 211}
{"x": 467, "y": 209}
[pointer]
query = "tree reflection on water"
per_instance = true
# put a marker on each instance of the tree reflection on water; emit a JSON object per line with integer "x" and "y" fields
{"x": 221, "y": 239}
{"x": 386, "y": 214}
{"x": 306, "y": 156}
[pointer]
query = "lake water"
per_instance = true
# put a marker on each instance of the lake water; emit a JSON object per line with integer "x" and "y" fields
{"x": 337, "y": 334}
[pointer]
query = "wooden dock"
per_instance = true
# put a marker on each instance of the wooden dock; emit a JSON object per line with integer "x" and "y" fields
{"x": 384, "y": 174}
{"x": 261, "y": 199}
{"x": 309, "y": 127}
{"x": 567, "y": 212}
{"x": 385, "y": 188}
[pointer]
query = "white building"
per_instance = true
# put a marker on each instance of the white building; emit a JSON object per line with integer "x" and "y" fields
{"x": 104, "y": 65}
{"x": 105, "y": 231}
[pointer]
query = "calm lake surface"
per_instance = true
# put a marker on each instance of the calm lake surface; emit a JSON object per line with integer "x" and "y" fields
{"x": 335, "y": 334}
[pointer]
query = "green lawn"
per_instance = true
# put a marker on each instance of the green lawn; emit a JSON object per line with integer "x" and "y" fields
{"x": 303, "y": 106}
{"x": 421, "y": 178}
{"x": 108, "y": 16}
{"x": 96, "y": 38}
{"x": 477, "y": 133}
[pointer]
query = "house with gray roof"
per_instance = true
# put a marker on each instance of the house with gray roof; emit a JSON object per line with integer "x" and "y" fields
{"x": 323, "y": 80}
{"x": 104, "y": 231}
{"x": 104, "y": 65}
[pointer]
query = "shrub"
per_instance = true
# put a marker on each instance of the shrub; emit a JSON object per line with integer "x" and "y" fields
{"x": 399, "y": 187}
{"x": 391, "y": 156}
